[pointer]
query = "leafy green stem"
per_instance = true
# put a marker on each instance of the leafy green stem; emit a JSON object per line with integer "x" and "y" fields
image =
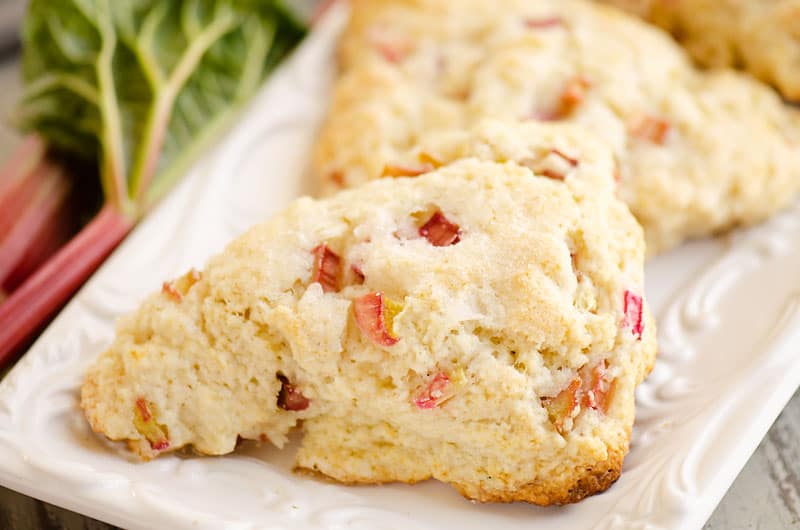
{"x": 61, "y": 80}
{"x": 182, "y": 161}
{"x": 161, "y": 112}
{"x": 253, "y": 64}
{"x": 113, "y": 169}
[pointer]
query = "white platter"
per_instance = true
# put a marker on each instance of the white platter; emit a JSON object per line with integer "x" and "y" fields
{"x": 729, "y": 315}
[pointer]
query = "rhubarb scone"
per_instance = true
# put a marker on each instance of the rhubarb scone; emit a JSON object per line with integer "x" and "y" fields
{"x": 762, "y": 36}
{"x": 482, "y": 324}
{"x": 697, "y": 152}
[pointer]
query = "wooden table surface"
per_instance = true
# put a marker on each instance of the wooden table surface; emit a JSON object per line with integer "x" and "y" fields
{"x": 765, "y": 496}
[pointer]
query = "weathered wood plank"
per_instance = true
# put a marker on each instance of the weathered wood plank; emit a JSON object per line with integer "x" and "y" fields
{"x": 766, "y": 495}
{"x": 18, "y": 512}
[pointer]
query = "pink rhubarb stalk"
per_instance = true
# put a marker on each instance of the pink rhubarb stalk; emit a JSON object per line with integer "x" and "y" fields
{"x": 320, "y": 11}
{"x": 39, "y": 217}
{"x": 25, "y": 310}
{"x": 17, "y": 182}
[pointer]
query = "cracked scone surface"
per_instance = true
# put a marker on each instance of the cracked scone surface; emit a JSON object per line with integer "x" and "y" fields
{"x": 697, "y": 153}
{"x": 482, "y": 324}
{"x": 762, "y": 36}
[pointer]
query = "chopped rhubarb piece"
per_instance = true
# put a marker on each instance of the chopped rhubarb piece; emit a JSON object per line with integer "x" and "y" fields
{"x": 290, "y": 397}
{"x": 596, "y": 388}
{"x": 169, "y": 289}
{"x": 185, "y": 282}
{"x": 337, "y": 177}
{"x": 540, "y": 115}
{"x": 390, "y": 170}
{"x": 143, "y": 410}
{"x": 564, "y": 406}
{"x": 572, "y": 161}
{"x": 358, "y": 275}
{"x": 633, "y": 314}
{"x": 160, "y": 445}
{"x": 327, "y": 268}
{"x": 652, "y": 129}
{"x": 574, "y": 94}
{"x": 178, "y": 288}
{"x": 440, "y": 232}
{"x": 575, "y": 268}
{"x": 429, "y": 159}
{"x": 374, "y": 314}
{"x": 145, "y": 423}
{"x": 555, "y": 165}
{"x": 544, "y": 22}
{"x": 393, "y": 50}
{"x": 552, "y": 174}
{"x": 437, "y": 392}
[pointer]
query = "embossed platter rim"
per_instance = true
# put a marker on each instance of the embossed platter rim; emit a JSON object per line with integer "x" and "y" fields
{"x": 729, "y": 313}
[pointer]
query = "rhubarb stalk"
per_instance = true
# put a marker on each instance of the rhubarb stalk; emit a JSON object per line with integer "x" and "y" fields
{"x": 150, "y": 86}
{"x": 22, "y": 313}
{"x": 35, "y": 206}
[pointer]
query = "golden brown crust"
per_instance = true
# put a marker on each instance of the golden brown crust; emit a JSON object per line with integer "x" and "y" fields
{"x": 594, "y": 479}
{"x": 589, "y": 479}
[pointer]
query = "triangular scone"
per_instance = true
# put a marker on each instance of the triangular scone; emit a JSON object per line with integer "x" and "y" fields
{"x": 482, "y": 324}
{"x": 697, "y": 152}
{"x": 759, "y": 35}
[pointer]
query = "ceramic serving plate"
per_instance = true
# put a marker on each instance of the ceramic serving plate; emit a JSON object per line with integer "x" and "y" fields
{"x": 729, "y": 314}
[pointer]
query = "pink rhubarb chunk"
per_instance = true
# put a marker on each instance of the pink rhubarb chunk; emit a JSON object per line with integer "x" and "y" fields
{"x": 564, "y": 406}
{"x": 574, "y": 94}
{"x": 146, "y": 425}
{"x": 544, "y": 22}
{"x": 358, "y": 275}
{"x": 436, "y": 393}
{"x": 633, "y": 314}
{"x": 169, "y": 289}
{"x": 596, "y": 389}
{"x": 392, "y": 50}
{"x": 374, "y": 314}
{"x": 440, "y": 232}
{"x": 160, "y": 445}
{"x": 556, "y": 165}
{"x": 290, "y": 397}
{"x": 652, "y": 129}
{"x": 144, "y": 411}
{"x": 327, "y": 268}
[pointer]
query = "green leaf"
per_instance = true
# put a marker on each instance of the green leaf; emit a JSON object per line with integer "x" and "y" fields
{"x": 140, "y": 86}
